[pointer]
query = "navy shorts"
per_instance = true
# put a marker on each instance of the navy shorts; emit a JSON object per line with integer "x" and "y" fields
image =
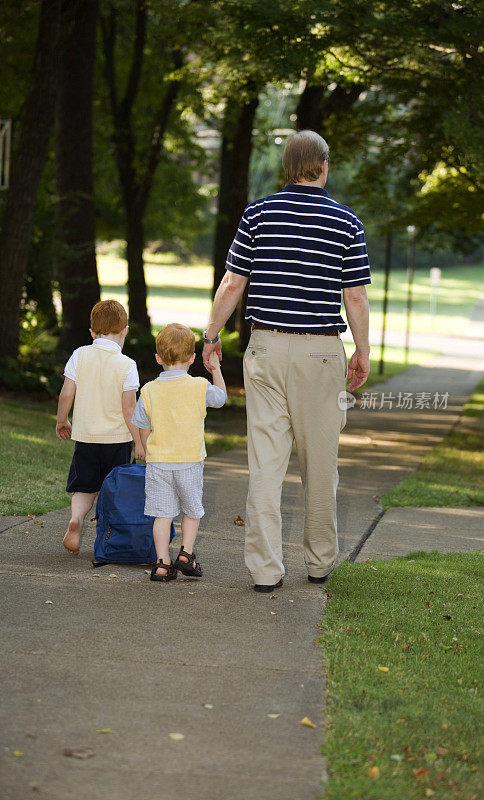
{"x": 92, "y": 462}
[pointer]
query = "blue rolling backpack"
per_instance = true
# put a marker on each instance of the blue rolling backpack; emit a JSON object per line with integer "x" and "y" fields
{"x": 124, "y": 534}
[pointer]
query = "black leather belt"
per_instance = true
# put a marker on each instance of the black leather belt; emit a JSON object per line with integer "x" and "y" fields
{"x": 301, "y": 333}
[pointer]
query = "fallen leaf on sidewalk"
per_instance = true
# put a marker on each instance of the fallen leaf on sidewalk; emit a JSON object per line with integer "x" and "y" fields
{"x": 207, "y": 705}
{"x": 71, "y": 752}
{"x": 273, "y": 613}
{"x": 96, "y": 575}
{"x": 49, "y": 603}
{"x": 104, "y": 730}
{"x": 383, "y": 669}
{"x": 306, "y": 721}
{"x": 238, "y": 521}
{"x": 113, "y": 575}
{"x": 273, "y": 716}
{"x": 177, "y": 736}
{"x": 18, "y": 753}
{"x": 373, "y": 772}
{"x": 38, "y": 522}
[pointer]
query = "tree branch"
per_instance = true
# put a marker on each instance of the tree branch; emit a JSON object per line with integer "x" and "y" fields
{"x": 137, "y": 60}
{"x": 108, "y": 35}
{"x": 156, "y": 146}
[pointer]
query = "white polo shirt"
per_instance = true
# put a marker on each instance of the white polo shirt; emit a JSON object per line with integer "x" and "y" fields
{"x": 132, "y": 378}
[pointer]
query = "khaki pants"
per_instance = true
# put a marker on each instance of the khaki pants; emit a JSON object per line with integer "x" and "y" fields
{"x": 292, "y": 383}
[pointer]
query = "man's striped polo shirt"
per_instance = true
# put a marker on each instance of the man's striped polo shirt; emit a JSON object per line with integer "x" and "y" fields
{"x": 299, "y": 248}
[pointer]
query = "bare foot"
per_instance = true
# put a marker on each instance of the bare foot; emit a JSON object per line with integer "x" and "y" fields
{"x": 71, "y": 538}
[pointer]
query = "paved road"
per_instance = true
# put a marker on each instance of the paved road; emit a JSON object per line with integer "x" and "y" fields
{"x": 83, "y": 651}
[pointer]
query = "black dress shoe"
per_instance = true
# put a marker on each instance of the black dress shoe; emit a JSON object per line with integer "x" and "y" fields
{"x": 312, "y": 579}
{"x": 263, "y": 587}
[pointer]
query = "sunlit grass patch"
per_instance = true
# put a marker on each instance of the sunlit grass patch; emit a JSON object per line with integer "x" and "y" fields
{"x": 33, "y": 463}
{"x": 452, "y": 473}
{"x": 402, "y": 645}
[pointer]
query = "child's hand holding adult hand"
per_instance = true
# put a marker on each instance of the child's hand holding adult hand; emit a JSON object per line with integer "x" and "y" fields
{"x": 208, "y": 351}
{"x": 214, "y": 360}
{"x": 63, "y": 429}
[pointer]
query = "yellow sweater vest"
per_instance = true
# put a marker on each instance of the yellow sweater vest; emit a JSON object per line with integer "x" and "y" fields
{"x": 177, "y": 409}
{"x": 98, "y": 414}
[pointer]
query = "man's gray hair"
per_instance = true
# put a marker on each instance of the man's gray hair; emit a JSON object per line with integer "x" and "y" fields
{"x": 303, "y": 156}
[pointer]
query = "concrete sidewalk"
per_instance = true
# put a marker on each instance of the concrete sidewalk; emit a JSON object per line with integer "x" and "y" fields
{"x": 145, "y": 659}
{"x": 405, "y": 530}
{"x": 84, "y": 651}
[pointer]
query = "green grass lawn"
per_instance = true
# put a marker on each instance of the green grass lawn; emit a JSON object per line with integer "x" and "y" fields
{"x": 411, "y": 730}
{"x": 456, "y": 298}
{"x": 176, "y": 292}
{"x": 33, "y": 463}
{"x": 184, "y": 291}
{"x": 452, "y": 473}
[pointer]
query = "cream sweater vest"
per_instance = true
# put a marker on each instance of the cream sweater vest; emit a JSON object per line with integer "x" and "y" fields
{"x": 177, "y": 409}
{"x": 98, "y": 415}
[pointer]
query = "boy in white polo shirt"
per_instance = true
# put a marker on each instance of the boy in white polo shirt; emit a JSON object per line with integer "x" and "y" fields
{"x": 170, "y": 414}
{"x": 102, "y": 384}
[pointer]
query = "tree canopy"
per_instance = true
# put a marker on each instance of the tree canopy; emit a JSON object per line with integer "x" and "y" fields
{"x": 395, "y": 89}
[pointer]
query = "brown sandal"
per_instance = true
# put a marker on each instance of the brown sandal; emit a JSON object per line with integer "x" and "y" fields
{"x": 190, "y": 567}
{"x": 171, "y": 572}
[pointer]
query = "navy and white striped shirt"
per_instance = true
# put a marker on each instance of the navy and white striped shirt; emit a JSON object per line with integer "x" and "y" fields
{"x": 299, "y": 248}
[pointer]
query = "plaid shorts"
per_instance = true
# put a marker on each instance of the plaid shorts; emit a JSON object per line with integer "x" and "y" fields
{"x": 170, "y": 491}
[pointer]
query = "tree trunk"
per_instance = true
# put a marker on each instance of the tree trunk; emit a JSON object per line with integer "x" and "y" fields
{"x": 309, "y": 108}
{"x": 234, "y": 180}
{"x": 78, "y": 277}
{"x": 313, "y": 108}
{"x": 27, "y": 166}
{"x": 136, "y": 185}
{"x": 135, "y": 241}
{"x": 388, "y": 266}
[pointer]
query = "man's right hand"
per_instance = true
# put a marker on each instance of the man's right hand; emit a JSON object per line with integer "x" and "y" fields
{"x": 358, "y": 370}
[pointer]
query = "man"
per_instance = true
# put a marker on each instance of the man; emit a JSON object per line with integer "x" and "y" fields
{"x": 298, "y": 249}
